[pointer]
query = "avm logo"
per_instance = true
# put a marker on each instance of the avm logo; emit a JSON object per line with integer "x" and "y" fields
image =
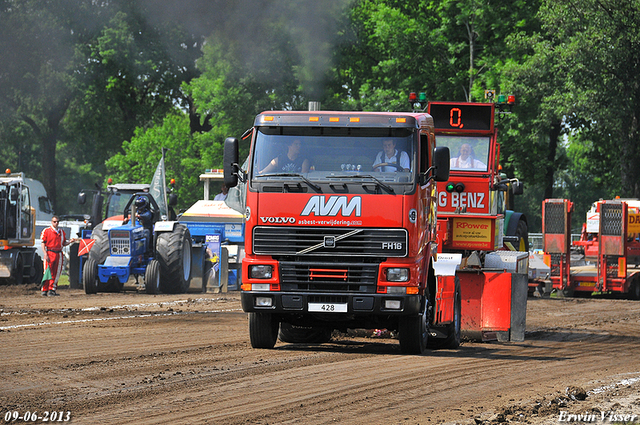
{"x": 320, "y": 206}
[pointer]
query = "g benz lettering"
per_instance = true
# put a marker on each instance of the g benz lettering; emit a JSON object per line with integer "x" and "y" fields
{"x": 462, "y": 200}
{"x": 320, "y": 206}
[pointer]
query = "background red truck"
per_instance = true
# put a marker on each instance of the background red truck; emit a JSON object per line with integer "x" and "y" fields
{"x": 476, "y": 220}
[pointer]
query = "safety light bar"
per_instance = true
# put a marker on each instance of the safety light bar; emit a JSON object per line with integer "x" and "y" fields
{"x": 417, "y": 101}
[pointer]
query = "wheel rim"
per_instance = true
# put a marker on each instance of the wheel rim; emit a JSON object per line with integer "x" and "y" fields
{"x": 186, "y": 260}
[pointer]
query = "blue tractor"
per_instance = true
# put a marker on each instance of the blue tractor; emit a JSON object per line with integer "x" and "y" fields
{"x": 160, "y": 251}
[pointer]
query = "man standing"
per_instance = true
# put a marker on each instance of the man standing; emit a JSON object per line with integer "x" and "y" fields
{"x": 53, "y": 239}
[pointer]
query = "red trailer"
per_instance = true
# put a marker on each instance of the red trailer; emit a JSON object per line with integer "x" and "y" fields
{"x": 609, "y": 245}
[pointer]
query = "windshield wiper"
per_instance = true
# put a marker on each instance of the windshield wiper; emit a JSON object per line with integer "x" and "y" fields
{"x": 364, "y": 176}
{"x": 300, "y": 176}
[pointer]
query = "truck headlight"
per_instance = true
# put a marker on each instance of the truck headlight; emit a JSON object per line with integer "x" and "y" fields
{"x": 261, "y": 271}
{"x": 397, "y": 274}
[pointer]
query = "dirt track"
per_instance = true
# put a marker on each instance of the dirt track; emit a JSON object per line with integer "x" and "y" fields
{"x": 143, "y": 359}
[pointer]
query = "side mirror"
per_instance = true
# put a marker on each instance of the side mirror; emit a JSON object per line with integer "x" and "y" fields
{"x": 14, "y": 194}
{"x": 230, "y": 162}
{"x": 441, "y": 163}
{"x": 173, "y": 199}
{"x": 517, "y": 187}
{"x": 82, "y": 198}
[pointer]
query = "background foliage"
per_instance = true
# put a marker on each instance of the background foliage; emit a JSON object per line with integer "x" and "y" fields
{"x": 93, "y": 90}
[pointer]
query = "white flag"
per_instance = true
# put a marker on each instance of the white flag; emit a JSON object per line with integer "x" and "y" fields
{"x": 158, "y": 188}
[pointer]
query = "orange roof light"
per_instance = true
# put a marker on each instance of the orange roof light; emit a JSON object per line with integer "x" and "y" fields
{"x": 268, "y": 118}
{"x": 314, "y": 119}
{"x": 8, "y": 171}
{"x": 334, "y": 119}
{"x": 401, "y": 120}
{"x": 354, "y": 119}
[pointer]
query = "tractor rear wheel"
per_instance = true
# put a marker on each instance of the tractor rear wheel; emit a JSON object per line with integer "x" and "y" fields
{"x": 174, "y": 256}
{"x": 100, "y": 249}
{"x": 90, "y": 276}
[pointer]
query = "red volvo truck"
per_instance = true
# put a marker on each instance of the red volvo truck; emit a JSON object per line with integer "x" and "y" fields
{"x": 340, "y": 235}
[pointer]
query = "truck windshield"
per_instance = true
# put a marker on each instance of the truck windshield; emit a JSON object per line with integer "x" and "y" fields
{"x": 467, "y": 153}
{"x": 327, "y": 152}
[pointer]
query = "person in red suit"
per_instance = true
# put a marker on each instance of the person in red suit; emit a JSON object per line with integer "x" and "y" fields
{"x": 53, "y": 240}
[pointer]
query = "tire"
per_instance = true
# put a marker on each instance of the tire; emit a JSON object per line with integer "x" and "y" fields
{"x": 17, "y": 273}
{"x": 100, "y": 249}
{"x": 522, "y": 232}
{"x": 414, "y": 332}
{"x": 303, "y": 335}
{"x": 152, "y": 278}
{"x": 174, "y": 255}
{"x": 37, "y": 270}
{"x": 452, "y": 330}
{"x": 634, "y": 290}
{"x": 90, "y": 276}
{"x": 263, "y": 330}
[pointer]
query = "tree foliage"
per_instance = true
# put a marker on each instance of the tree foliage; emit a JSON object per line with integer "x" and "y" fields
{"x": 90, "y": 90}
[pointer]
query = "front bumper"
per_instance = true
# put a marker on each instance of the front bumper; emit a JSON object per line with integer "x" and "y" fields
{"x": 297, "y": 303}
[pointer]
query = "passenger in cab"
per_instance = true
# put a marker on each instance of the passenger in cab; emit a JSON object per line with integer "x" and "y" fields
{"x": 389, "y": 159}
{"x": 291, "y": 162}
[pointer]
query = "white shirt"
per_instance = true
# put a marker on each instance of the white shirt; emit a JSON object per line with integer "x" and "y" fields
{"x": 404, "y": 161}
{"x": 220, "y": 197}
{"x": 472, "y": 163}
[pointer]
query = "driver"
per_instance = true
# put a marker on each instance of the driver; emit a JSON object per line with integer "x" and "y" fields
{"x": 145, "y": 216}
{"x": 389, "y": 155}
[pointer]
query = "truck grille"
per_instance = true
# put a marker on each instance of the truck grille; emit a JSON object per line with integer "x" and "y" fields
{"x": 120, "y": 246}
{"x": 554, "y": 217}
{"x": 611, "y": 219}
{"x": 323, "y": 241}
{"x": 319, "y": 276}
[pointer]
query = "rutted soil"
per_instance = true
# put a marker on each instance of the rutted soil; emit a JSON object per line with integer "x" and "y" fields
{"x": 132, "y": 358}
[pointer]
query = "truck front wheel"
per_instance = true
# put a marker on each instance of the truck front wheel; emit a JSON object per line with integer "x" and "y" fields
{"x": 414, "y": 332}
{"x": 263, "y": 330}
{"x": 17, "y": 273}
